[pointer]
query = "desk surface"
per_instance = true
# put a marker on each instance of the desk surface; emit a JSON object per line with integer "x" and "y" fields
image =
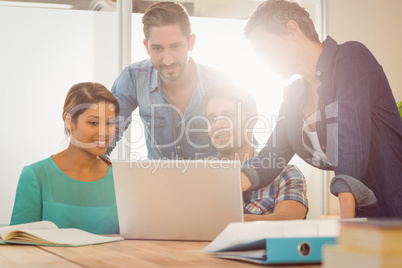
{"x": 128, "y": 253}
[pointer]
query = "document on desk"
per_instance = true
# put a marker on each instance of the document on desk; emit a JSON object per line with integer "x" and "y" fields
{"x": 46, "y": 233}
{"x": 270, "y": 242}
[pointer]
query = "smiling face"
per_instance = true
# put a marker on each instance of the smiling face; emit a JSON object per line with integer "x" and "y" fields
{"x": 279, "y": 51}
{"x": 230, "y": 126}
{"x": 168, "y": 50}
{"x": 94, "y": 129}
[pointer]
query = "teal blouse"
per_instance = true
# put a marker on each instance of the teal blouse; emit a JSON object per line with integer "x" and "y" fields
{"x": 44, "y": 192}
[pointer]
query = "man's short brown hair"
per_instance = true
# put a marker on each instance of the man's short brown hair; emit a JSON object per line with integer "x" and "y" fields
{"x": 166, "y": 13}
{"x": 273, "y": 15}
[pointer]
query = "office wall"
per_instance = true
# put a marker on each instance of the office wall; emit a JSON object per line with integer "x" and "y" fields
{"x": 43, "y": 52}
{"x": 238, "y": 9}
{"x": 375, "y": 23}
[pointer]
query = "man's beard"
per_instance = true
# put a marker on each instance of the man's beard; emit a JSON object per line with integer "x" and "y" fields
{"x": 171, "y": 77}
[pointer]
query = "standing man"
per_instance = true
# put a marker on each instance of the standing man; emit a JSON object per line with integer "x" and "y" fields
{"x": 340, "y": 115}
{"x": 232, "y": 114}
{"x": 168, "y": 88}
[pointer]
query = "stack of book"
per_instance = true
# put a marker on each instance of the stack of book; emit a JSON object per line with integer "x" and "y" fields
{"x": 376, "y": 243}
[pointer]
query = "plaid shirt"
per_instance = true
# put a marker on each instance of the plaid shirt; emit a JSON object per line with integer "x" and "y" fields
{"x": 289, "y": 185}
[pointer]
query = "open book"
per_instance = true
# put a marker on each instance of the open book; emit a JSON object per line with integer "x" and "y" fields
{"x": 46, "y": 233}
{"x": 270, "y": 242}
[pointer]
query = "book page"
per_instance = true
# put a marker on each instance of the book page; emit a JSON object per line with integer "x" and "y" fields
{"x": 62, "y": 237}
{"x": 245, "y": 232}
{"x": 26, "y": 226}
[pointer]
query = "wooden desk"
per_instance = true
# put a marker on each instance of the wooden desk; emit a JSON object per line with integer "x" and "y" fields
{"x": 128, "y": 253}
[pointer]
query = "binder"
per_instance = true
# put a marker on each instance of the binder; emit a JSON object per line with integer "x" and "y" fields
{"x": 278, "y": 250}
{"x": 275, "y": 242}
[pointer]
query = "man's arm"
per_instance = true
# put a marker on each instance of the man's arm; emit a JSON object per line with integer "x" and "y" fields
{"x": 124, "y": 88}
{"x": 346, "y": 205}
{"x": 278, "y": 150}
{"x": 286, "y": 198}
{"x": 284, "y": 210}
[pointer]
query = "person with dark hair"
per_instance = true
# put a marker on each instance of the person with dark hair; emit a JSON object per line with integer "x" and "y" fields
{"x": 232, "y": 114}
{"x": 340, "y": 115}
{"x": 168, "y": 88}
{"x": 74, "y": 188}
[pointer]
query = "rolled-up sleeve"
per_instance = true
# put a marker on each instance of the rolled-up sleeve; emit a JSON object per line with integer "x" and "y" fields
{"x": 364, "y": 197}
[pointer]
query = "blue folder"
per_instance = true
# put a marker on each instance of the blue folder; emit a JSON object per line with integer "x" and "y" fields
{"x": 278, "y": 250}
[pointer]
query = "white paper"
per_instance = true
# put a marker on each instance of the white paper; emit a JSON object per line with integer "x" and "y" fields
{"x": 70, "y": 237}
{"x": 27, "y": 226}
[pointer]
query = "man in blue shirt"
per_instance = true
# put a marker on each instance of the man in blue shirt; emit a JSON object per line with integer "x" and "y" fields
{"x": 168, "y": 88}
{"x": 341, "y": 115}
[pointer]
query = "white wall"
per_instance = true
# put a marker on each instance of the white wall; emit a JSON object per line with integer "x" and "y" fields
{"x": 236, "y": 9}
{"x": 43, "y": 53}
{"x": 375, "y": 23}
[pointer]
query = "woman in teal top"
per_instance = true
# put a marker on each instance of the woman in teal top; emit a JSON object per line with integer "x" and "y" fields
{"x": 75, "y": 188}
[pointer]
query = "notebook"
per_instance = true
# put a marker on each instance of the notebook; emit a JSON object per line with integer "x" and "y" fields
{"x": 177, "y": 199}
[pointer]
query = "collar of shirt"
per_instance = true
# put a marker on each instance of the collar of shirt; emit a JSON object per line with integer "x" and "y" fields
{"x": 326, "y": 56}
{"x": 325, "y": 61}
{"x": 156, "y": 83}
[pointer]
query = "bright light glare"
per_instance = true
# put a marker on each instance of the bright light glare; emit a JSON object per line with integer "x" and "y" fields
{"x": 221, "y": 43}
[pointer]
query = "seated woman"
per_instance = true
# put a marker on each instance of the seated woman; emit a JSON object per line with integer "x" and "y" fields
{"x": 74, "y": 188}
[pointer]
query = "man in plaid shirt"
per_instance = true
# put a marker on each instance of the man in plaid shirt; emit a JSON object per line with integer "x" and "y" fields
{"x": 232, "y": 114}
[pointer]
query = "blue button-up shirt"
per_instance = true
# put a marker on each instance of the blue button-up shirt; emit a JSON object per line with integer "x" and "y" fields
{"x": 358, "y": 127}
{"x": 168, "y": 133}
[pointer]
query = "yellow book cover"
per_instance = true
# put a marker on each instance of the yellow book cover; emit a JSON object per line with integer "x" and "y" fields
{"x": 340, "y": 256}
{"x": 379, "y": 235}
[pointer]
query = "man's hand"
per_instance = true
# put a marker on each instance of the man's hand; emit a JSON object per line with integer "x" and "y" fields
{"x": 245, "y": 182}
{"x": 347, "y": 205}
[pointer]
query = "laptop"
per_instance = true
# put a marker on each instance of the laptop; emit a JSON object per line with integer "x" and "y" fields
{"x": 177, "y": 199}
